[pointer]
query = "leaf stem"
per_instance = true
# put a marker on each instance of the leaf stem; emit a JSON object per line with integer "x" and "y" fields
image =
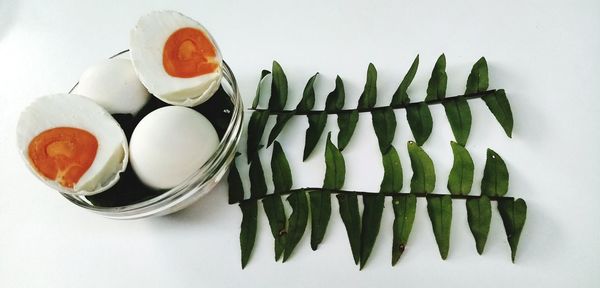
{"x": 368, "y": 110}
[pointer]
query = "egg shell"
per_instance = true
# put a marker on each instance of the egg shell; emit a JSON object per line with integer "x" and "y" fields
{"x": 69, "y": 110}
{"x": 170, "y": 144}
{"x": 147, "y": 41}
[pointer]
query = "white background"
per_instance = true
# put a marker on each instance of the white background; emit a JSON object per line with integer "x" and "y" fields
{"x": 544, "y": 53}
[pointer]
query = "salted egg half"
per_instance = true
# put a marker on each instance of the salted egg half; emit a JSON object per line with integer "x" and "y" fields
{"x": 72, "y": 144}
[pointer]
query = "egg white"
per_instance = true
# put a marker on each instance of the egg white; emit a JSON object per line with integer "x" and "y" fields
{"x": 69, "y": 110}
{"x": 147, "y": 42}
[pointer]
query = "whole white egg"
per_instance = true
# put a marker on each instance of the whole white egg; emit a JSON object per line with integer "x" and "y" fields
{"x": 170, "y": 144}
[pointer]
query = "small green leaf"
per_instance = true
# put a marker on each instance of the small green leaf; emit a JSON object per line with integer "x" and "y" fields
{"x": 236, "y": 189}
{"x": 316, "y": 126}
{"x": 258, "y": 185}
{"x": 335, "y": 166}
{"x": 459, "y": 116}
{"x": 478, "y": 79}
{"x": 347, "y": 123}
{"x": 279, "y": 88}
{"x": 513, "y": 213}
{"x": 461, "y": 174}
{"x": 263, "y": 74}
{"x": 248, "y": 229}
{"x": 273, "y": 207}
{"x": 369, "y": 95}
{"x": 404, "y": 215}
{"x": 436, "y": 90}
{"x": 495, "y": 176}
{"x": 351, "y": 217}
{"x": 282, "y": 119}
{"x": 392, "y": 172}
{"x": 320, "y": 210}
{"x": 499, "y": 106}
{"x": 400, "y": 96}
{"x": 256, "y": 128}
{"x": 282, "y": 175}
{"x": 423, "y": 178}
{"x": 371, "y": 221}
{"x": 297, "y": 222}
{"x": 384, "y": 122}
{"x": 335, "y": 99}
{"x": 479, "y": 215}
{"x": 308, "y": 96}
{"x": 439, "y": 209}
{"x": 419, "y": 121}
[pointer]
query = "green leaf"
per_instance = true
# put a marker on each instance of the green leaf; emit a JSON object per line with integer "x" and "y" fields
{"x": 384, "y": 122}
{"x": 459, "y": 116}
{"x": 404, "y": 215}
{"x": 499, "y": 106}
{"x": 495, "y": 176}
{"x": 256, "y": 128}
{"x": 369, "y": 95}
{"x": 282, "y": 175}
{"x": 461, "y": 174}
{"x": 263, "y": 74}
{"x": 248, "y": 229}
{"x": 371, "y": 221}
{"x": 439, "y": 209}
{"x": 419, "y": 121}
{"x": 347, "y": 123}
{"x": 478, "y": 79}
{"x": 479, "y": 215}
{"x": 236, "y": 189}
{"x": 279, "y": 88}
{"x": 400, "y": 96}
{"x": 351, "y": 217}
{"x": 282, "y": 119}
{"x": 513, "y": 213}
{"x": 316, "y": 126}
{"x": 335, "y": 99}
{"x": 258, "y": 185}
{"x": 436, "y": 90}
{"x": 335, "y": 166}
{"x": 423, "y": 178}
{"x": 392, "y": 172}
{"x": 308, "y": 96}
{"x": 297, "y": 221}
{"x": 320, "y": 209}
{"x": 273, "y": 207}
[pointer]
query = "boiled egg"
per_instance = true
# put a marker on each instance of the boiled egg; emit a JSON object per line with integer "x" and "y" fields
{"x": 72, "y": 144}
{"x": 176, "y": 58}
{"x": 170, "y": 144}
{"x": 114, "y": 85}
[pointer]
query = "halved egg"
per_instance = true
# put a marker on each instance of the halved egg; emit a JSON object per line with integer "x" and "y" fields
{"x": 176, "y": 58}
{"x": 72, "y": 144}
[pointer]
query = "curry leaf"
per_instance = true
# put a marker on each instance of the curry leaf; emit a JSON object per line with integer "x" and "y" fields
{"x": 478, "y": 79}
{"x": 236, "y": 189}
{"x": 316, "y": 126}
{"x": 513, "y": 213}
{"x": 404, "y": 216}
{"x": 423, "y": 178}
{"x": 248, "y": 229}
{"x": 495, "y": 176}
{"x": 419, "y": 121}
{"x": 392, "y": 172}
{"x": 369, "y": 95}
{"x": 479, "y": 215}
{"x": 320, "y": 212}
{"x": 308, "y": 96}
{"x": 282, "y": 119}
{"x": 258, "y": 185}
{"x": 461, "y": 174}
{"x": 273, "y": 207}
{"x": 256, "y": 128}
{"x": 384, "y": 122}
{"x": 279, "y": 88}
{"x": 439, "y": 209}
{"x": 499, "y": 106}
{"x": 347, "y": 123}
{"x": 459, "y": 116}
{"x": 400, "y": 97}
{"x": 335, "y": 166}
{"x": 351, "y": 217}
{"x": 297, "y": 222}
{"x": 263, "y": 74}
{"x": 335, "y": 99}
{"x": 282, "y": 175}
{"x": 436, "y": 90}
{"x": 371, "y": 221}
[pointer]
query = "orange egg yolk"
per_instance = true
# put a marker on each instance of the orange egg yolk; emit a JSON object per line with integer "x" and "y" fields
{"x": 63, "y": 154}
{"x": 189, "y": 53}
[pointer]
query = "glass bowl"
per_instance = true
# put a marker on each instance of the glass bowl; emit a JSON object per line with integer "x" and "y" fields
{"x": 197, "y": 185}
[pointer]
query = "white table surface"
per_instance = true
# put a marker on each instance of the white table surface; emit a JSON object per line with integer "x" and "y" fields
{"x": 544, "y": 53}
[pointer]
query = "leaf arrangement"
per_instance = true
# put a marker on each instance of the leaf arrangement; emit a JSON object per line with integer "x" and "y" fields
{"x": 362, "y": 230}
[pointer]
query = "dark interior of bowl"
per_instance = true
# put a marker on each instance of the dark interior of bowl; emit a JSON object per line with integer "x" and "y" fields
{"x": 130, "y": 190}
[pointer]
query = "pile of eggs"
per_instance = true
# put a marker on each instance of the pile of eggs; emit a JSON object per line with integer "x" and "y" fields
{"x": 71, "y": 141}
